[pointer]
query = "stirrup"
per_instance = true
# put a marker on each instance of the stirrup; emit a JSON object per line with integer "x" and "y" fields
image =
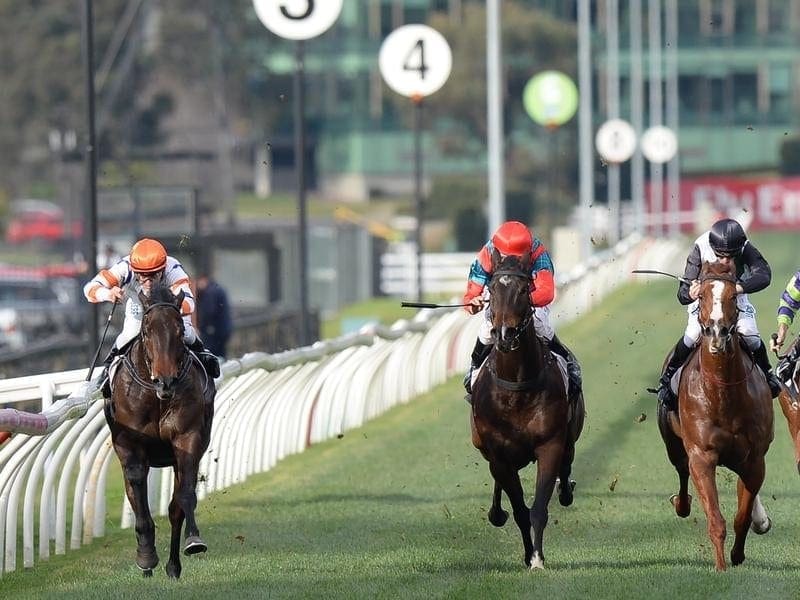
{"x": 468, "y": 382}
{"x": 667, "y": 398}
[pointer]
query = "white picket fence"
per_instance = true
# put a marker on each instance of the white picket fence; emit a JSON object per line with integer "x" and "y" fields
{"x": 267, "y": 407}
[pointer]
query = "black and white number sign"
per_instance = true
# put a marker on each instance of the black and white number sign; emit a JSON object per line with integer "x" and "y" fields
{"x": 298, "y": 19}
{"x": 415, "y": 60}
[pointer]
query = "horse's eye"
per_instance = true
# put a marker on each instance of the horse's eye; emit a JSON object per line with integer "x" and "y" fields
{"x": 706, "y": 330}
{"x": 723, "y": 331}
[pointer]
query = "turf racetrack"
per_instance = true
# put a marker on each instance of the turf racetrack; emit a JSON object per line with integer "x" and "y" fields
{"x": 397, "y": 509}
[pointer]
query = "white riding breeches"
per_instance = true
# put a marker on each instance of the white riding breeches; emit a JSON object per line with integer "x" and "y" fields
{"x": 746, "y": 324}
{"x": 133, "y": 323}
{"x": 541, "y": 324}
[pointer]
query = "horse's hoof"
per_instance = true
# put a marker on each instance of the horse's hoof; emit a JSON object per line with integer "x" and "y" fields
{"x": 147, "y": 561}
{"x": 536, "y": 562}
{"x": 173, "y": 570}
{"x": 565, "y": 495}
{"x": 147, "y": 572}
{"x": 194, "y": 545}
{"x": 761, "y": 529}
{"x": 498, "y": 518}
{"x": 681, "y": 511}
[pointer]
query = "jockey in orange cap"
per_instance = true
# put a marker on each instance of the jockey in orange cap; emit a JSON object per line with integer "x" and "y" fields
{"x": 514, "y": 238}
{"x": 147, "y": 263}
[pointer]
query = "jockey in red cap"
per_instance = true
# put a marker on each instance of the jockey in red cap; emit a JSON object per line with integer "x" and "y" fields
{"x": 513, "y": 238}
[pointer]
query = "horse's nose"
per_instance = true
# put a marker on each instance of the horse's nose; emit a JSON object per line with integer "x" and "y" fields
{"x": 165, "y": 386}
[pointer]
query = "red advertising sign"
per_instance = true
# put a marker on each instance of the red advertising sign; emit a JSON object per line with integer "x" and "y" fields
{"x": 773, "y": 203}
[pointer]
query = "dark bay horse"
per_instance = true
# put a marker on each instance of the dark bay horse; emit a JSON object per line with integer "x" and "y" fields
{"x": 725, "y": 418}
{"x": 521, "y": 412}
{"x": 160, "y": 415}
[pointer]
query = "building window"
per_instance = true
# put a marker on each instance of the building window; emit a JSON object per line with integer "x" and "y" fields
{"x": 745, "y": 94}
{"x": 778, "y": 16}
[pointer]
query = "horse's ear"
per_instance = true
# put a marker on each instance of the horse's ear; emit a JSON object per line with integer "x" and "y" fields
{"x": 496, "y": 258}
{"x": 179, "y": 298}
{"x": 143, "y": 298}
{"x": 526, "y": 261}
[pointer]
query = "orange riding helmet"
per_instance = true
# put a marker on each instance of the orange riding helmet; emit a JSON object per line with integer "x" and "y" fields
{"x": 513, "y": 238}
{"x": 148, "y": 256}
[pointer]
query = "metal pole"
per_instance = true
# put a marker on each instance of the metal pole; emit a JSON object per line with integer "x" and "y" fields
{"x": 637, "y": 118}
{"x": 586, "y": 155}
{"x": 673, "y": 166}
{"x": 612, "y": 100}
{"x": 656, "y": 110}
{"x": 497, "y": 208}
{"x": 91, "y": 161}
{"x": 300, "y": 165}
{"x": 418, "y": 188}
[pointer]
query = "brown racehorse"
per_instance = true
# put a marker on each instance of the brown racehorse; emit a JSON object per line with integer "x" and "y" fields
{"x": 521, "y": 412}
{"x": 789, "y": 399}
{"x": 725, "y": 418}
{"x": 160, "y": 414}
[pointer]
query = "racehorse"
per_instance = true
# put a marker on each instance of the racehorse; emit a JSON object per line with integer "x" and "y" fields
{"x": 521, "y": 411}
{"x": 160, "y": 414}
{"x": 725, "y": 418}
{"x": 789, "y": 396}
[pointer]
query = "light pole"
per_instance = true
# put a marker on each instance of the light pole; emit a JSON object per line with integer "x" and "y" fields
{"x": 91, "y": 162}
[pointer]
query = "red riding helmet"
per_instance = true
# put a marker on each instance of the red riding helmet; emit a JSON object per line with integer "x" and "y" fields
{"x": 513, "y": 238}
{"x": 148, "y": 256}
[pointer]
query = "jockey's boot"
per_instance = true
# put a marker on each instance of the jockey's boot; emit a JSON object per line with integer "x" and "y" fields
{"x": 479, "y": 354}
{"x": 762, "y": 360}
{"x": 106, "y": 389}
{"x": 209, "y": 361}
{"x": 785, "y": 368}
{"x": 679, "y": 356}
{"x": 573, "y": 367}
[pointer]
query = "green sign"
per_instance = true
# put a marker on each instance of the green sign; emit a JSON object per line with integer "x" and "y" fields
{"x": 550, "y": 98}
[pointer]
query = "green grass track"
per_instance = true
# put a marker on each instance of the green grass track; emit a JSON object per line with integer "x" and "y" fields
{"x": 397, "y": 509}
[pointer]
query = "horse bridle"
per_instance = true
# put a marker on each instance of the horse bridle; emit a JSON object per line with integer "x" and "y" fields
{"x": 526, "y": 321}
{"x": 729, "y": 335}
{"x": 184, "y": 364}
{"x": 707, "y": 329}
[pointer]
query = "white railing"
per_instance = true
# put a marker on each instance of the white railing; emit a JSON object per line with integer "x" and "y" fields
{"x": 267, "y": 407}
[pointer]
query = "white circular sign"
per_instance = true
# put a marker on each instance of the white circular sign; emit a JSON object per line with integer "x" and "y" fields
{"x": 298, "y": 19}
{"x": 615, "y": 141}
{"x": 415, "y": 60}
{"x": 659, "y": 144}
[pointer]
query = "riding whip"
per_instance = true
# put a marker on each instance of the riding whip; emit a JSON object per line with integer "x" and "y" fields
{"x": 654, "y": 272}
{"x": 429, "y": 305}
{"x": 102, "y": 339}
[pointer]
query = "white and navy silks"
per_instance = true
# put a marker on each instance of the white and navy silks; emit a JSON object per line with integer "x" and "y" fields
{"x": 121, "y": 275}
{"x": 752, "y": 273}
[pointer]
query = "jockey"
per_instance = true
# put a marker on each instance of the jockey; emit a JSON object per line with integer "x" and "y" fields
{"x": 787, "y": 308}
{"x": 146, "y": 264}
{"x": 725, "y": 242}
{"x": 515, "y": 239}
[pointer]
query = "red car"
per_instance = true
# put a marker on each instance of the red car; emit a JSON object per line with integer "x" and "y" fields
{"x": 40, "y": 220}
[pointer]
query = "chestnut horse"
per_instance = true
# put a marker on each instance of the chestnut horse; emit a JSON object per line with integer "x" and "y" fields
{"x": 160, "y": 414}
{"x": 521, "y": 412}
{"x": 789, "y": 397}
{"x": 725, "y": 418}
